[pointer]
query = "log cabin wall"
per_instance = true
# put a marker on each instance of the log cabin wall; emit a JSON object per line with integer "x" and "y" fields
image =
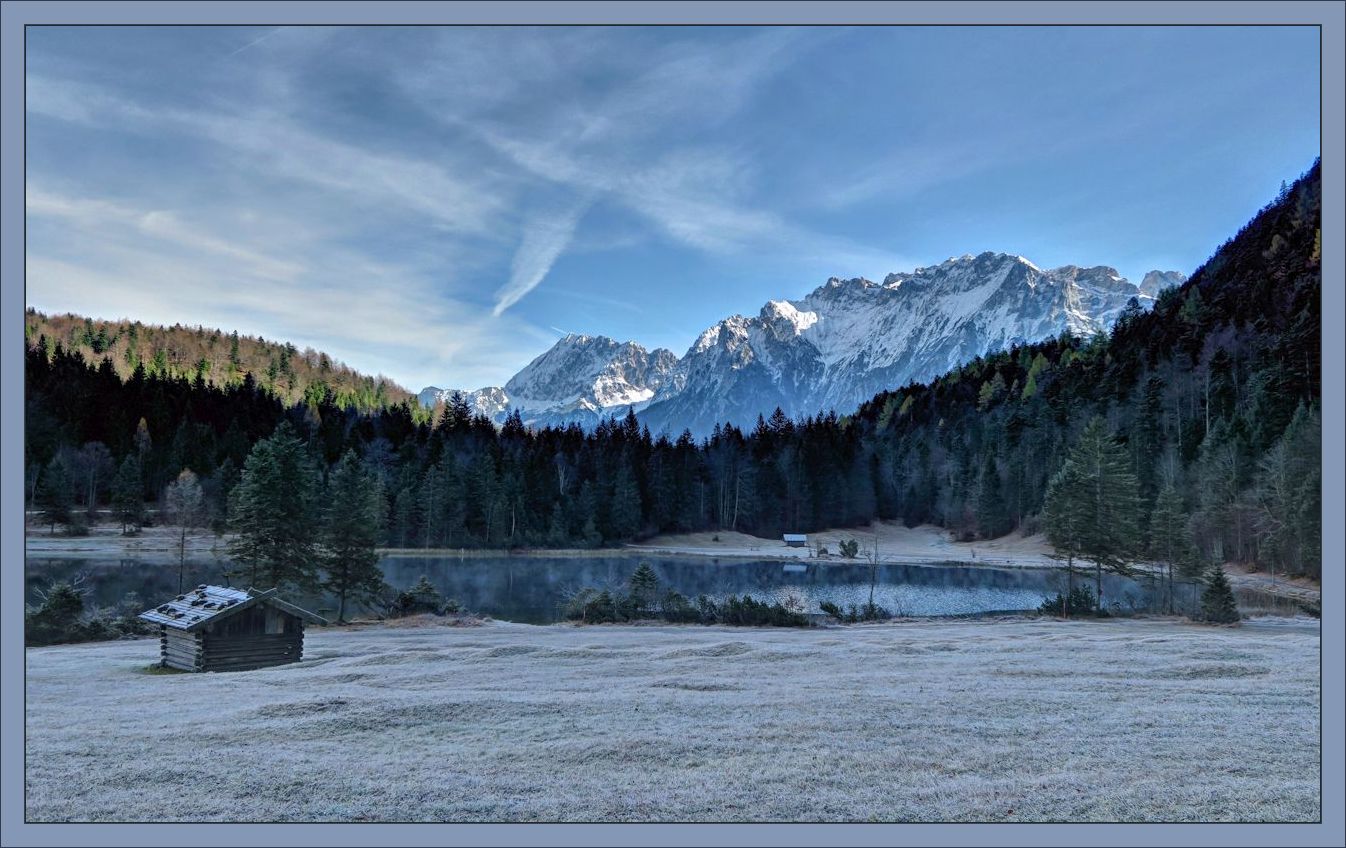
{"x": 180, "y": 649}
{"x": 255, "y": 638}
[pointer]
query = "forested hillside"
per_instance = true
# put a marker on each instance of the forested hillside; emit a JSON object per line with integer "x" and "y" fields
{"x": 1215, "y": 392}
{"x": 215, "y": 357}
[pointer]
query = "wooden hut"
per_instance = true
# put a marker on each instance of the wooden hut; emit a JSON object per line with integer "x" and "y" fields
{"x": 796, "y": 540}
{"x": 215, "y": 628}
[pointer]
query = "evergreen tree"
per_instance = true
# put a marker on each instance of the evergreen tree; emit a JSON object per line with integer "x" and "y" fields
{"x": 592, "y": 538}
{"x": 273, "y": 510}
{"x": 1097, "y": 505}
{"x": 557, "y": 534}
{"x": 1066, "y": 518}
{"x": 644, "y": 586}
{"x": 1218, "y": 604}
{"x": 993, "y": 518}
{"x": 352, "y": 522}
{"x": 128, "y": 501}
{"x": 624, "y": 520}
{"x": 1170, "y": 538}
{"x": 54, "y": 499}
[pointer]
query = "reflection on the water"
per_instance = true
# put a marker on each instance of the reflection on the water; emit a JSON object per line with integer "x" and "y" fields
{"x": 534, "y": 589}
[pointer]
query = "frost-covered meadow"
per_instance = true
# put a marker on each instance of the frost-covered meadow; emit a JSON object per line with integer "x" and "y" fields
{"x": 1019, "y": 720}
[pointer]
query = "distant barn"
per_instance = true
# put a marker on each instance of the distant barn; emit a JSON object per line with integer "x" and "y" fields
{"x": 796, "y": 540}
{"x": 214, "y": 628}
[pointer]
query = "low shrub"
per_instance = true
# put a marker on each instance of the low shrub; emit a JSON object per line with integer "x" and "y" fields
{"x": 595, "y": 606}
{"x": 854, "y": 613}
{"x": 748, "y": 612}
{"x": 1080, "y": 601}
{"x": 422, "y": 598}
{"x": 63, "y": 617}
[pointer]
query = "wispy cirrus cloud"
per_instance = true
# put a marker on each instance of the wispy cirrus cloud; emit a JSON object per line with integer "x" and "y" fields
{"x": 546, "y": 234}
{"x": 456, "y": 198}
{"x": 162, "y": 225}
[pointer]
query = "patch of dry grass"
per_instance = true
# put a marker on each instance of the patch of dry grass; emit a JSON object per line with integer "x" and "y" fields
{"x": 1038, "y": 720}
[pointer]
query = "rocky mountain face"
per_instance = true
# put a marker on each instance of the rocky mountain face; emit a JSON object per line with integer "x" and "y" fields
{"x": 581, "y": 378}
{"x": 831, "y": 350}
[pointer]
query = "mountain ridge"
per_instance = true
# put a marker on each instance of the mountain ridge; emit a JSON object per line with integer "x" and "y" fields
{"x": 830, "y": 349}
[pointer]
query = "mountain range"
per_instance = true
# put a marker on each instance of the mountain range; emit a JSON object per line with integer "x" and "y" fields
{"x": 830, "y": 350}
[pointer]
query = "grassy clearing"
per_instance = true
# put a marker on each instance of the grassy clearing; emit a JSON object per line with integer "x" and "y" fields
{"x": 1037, "y": 720}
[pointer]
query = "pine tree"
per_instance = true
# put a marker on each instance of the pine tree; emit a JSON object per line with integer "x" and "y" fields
{"x": 352, "y": 522}
{"x": 1218, "y": 605}
{"x": 273, "y": 510}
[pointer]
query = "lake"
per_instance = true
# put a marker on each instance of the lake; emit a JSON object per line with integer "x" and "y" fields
{"x": 534, "y": 589}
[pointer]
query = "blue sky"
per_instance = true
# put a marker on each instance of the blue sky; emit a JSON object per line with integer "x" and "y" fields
{"x": 438, "y": 204}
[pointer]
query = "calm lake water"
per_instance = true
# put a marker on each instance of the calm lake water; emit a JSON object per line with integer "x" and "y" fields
{"x": 534, "y": 589}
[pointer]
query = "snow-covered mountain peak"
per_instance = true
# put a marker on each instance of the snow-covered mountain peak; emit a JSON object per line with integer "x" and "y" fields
{"x": 786, "y": 318}
{"x": 831, "y": 349}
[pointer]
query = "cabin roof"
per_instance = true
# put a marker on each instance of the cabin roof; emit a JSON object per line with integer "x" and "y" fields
{"x": 194, "y": 609}
{"x": 796, "y": 537}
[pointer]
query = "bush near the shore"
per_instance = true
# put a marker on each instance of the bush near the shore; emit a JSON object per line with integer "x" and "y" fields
{"x": 63, "y": 617}
{"x": 422, "y": 598}
{"x": 594, "y": 606}
{"x": 1079, "y": 601}
{"x": 853, "y": 614}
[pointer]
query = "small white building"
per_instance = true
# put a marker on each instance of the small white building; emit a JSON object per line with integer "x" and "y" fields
{"x": 796, "y": 540}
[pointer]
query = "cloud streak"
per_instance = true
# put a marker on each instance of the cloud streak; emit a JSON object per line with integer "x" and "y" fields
{"x": 545, "y": 237}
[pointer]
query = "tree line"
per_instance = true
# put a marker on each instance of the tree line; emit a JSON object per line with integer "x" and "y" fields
{"x": 1209, "y": 402}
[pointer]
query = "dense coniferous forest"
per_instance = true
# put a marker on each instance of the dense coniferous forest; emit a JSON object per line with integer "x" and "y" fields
{"x": 223, "y": 359}
{"x": 1214, "y": 395}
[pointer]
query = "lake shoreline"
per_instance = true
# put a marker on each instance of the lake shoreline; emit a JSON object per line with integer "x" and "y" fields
{"x": 897, "y": 544}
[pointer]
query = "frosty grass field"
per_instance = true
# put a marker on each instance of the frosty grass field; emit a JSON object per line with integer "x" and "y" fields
{"x": 1036, "y": 720}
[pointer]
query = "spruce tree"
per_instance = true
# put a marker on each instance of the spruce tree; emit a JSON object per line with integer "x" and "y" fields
{"x": 128, "y": 499}
{"x": 644, "y": 586}
{"x": 273, "y": 510}
{"x": 53, "y": 494}
{"x": 1218, "y": 605}
{"x": 1094, "y": 511}
{"x": 352, "y": 522}
{"x": 1065, "y": 516}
